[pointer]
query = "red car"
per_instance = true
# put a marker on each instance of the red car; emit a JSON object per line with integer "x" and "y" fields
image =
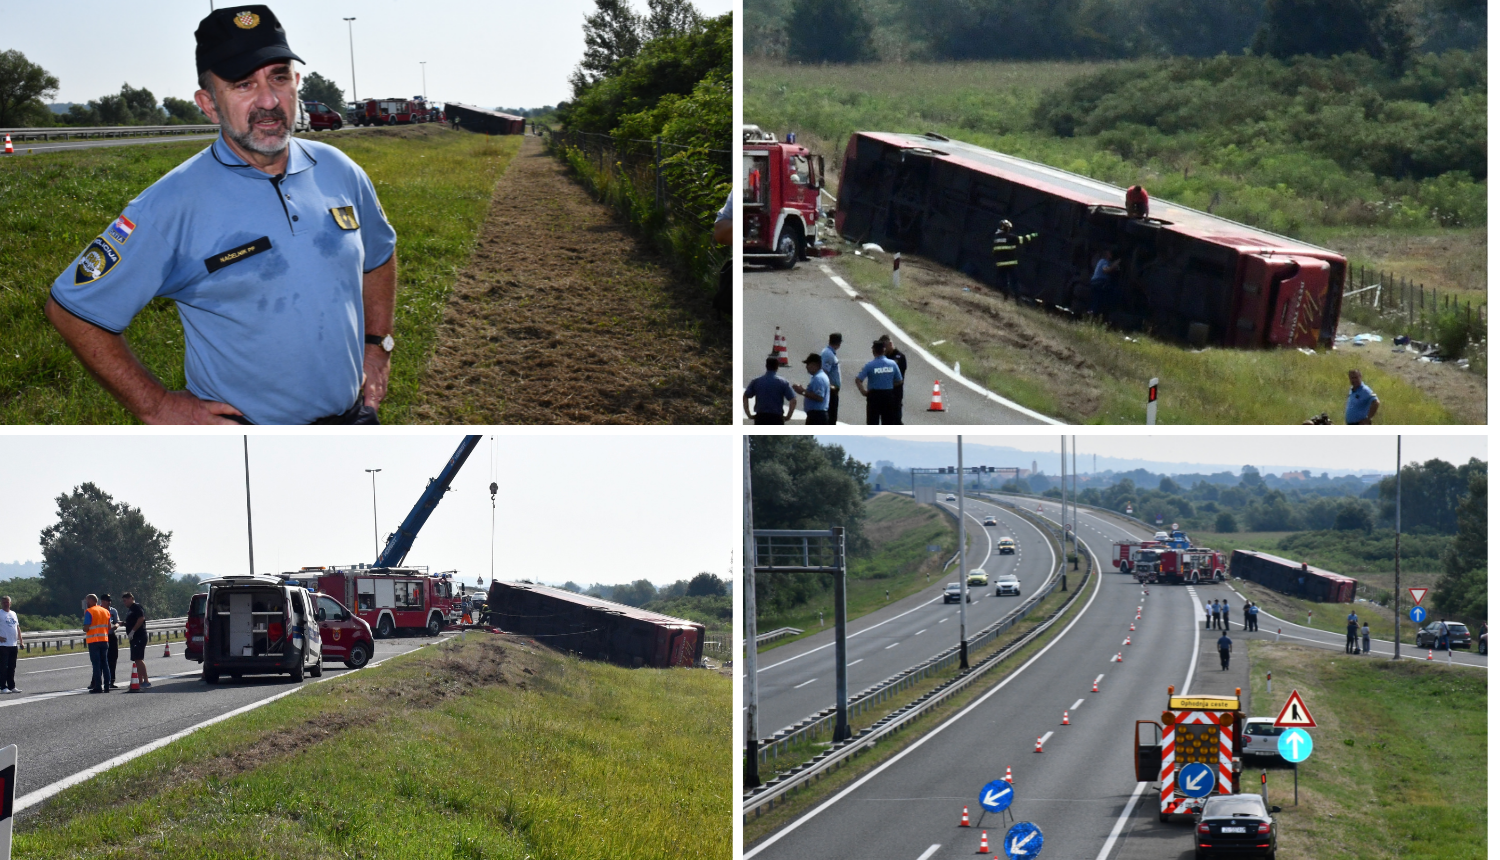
{"x": 321, "y": 117}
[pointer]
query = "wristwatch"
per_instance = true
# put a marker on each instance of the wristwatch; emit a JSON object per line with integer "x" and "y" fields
{"x": 385, "y": 342}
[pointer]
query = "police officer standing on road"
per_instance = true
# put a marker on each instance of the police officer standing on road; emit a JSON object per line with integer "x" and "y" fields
{"x": 769, "y": 392}
{"x": 1225, "y": 646}
{"x": 830, "y": 356}
{"x": 878, "y": 381}
{"x": 899, "y": 357}
{"x": 815, "y": 393}
{"x": 113, "y": 654}
{"x": 276, "y": 251}
{"x": 1006, "y": 252}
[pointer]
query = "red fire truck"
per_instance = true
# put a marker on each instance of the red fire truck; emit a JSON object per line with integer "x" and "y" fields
{"x": 391, "y": 112}
{"x": 388, "y": 598}
{"x": 782, "y": 181}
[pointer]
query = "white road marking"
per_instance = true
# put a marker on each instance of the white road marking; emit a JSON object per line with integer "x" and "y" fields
{"x": 804, "y": 683}
{"x": 942, "y": 621}
{"x": 1045, "y": 737}
{"x": 850, "y": 636}
{"x": 1098, "y": 679}
{"x": 1120, "y": 822}
{"x": 892, "y": 645}
{"x": 860, "y": 660}
{"x": 920, "y": 632}
{"x": 1076, "y": 705}
{"x": 929, "y": 852}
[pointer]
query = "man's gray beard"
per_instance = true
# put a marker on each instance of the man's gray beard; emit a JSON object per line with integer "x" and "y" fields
{"x": 248, "y": 140}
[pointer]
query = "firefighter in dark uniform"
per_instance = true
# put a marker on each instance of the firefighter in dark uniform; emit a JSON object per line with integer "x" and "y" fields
{"x": 1007, "y": 253}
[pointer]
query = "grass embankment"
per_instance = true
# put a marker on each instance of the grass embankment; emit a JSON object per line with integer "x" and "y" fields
{"x": 1399, "y": 761}
{"x": 899, "y": 531}
{"x": 1084, "y": 372}
{"x": 790, "y": 807}
{"x": 481, "y": 748}
{"x": 434, "y": 185}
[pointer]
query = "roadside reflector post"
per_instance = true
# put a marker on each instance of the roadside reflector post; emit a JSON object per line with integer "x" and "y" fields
{"x": 1151, "y": 403}
{"x": 896, "y": 271}
{"x": 1263, "y": 799}
{"x": 1268, "y": 682}
{"x": 7, "y": 797}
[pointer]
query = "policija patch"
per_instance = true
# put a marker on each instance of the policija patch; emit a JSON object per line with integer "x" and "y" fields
{"x": 95, "y": 262}
{"x": 344, "y": 217}
{"x": 234, "y": 255}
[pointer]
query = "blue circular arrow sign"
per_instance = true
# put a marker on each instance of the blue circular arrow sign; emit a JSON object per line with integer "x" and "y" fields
{"x": 1418, "y": 614}
{"x": 1196, "y": 779}
{"x": 996, "y": 795}
{"x": 1023, "y": 840}
{"x": 1295, "y": 745}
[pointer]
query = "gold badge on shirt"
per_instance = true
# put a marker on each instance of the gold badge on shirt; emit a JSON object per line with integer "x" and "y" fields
{"x": 344, "y": 217}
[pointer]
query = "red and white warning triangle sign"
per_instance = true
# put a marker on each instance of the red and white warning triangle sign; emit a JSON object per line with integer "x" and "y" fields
{"x": 1417, "y": 594}
{"x": 1294, "y": 714}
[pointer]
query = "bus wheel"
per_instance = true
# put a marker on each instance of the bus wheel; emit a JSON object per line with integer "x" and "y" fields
{"x": 385, "y": 629}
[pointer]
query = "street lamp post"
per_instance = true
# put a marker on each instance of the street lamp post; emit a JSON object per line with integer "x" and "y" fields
{"x": 352, "y": 78}
{"x": 374, "y": 511}
{"x": 424, "y": 79}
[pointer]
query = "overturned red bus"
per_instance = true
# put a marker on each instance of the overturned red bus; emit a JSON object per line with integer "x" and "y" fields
{"x": 1184, "y": 275}
{"x": 593, "y": 627}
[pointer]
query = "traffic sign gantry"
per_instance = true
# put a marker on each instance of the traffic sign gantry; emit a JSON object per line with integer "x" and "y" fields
{"x": 1294, "y": 745}
{"x": 1196, "y": 779}
{"x": 1418, "y": 614}
{"x": 1023, "y": 840}
{"x": 996, "y": 795}
{"x": 1294, "y": 713}
{"x": 1417, "y": 594}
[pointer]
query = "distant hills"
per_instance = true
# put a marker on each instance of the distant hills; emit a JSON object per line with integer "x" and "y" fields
{"x": 18, "y": 569}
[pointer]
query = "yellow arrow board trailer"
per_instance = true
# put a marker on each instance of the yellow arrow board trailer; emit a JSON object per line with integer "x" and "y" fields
{"x": 1206, "y": 730}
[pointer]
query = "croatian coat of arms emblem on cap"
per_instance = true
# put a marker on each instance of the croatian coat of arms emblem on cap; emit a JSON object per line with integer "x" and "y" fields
{"x": 247, "y": 20}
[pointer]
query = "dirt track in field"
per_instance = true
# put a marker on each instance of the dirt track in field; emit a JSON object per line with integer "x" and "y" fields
{"x": 563, "y": 317}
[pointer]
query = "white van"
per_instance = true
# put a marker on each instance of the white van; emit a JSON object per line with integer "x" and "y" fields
{"x": 259, "y": 625}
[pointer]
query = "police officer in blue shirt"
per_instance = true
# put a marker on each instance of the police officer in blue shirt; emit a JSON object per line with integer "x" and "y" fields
{"x": 275, "y": 250}
{"x": 769, "y": 392}
{"x": 830, "y": 357}
{"x": 815, "y": 393}
{"x": 878, "y": 381}
{"x": 1362, "y": 404}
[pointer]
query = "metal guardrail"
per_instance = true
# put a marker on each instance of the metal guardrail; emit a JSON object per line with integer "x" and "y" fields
{"x": 164, "y": 629}
{"x": 820, "y": 723}
{"x": 765, "y": 797}
{"x": 763, "y": 638}
{"x": 67, "y": 132}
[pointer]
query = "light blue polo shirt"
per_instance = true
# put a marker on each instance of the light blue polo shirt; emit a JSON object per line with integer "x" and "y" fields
{"x": 1357, "y": 408}
{"x": 831, "y": 366}
{"x": 267, "y": 274}
{"x": 817, "y": 385}
{"x": 882, "y": 374}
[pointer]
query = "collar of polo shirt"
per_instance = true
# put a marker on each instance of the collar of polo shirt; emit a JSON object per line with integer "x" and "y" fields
{"x": 298, "y": 159}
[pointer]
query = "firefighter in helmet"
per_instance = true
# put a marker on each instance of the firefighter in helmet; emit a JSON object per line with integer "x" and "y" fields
{"x": 1006, "y": 252}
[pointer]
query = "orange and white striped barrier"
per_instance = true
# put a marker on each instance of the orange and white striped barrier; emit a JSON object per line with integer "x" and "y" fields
{"x": 778, "y": 348}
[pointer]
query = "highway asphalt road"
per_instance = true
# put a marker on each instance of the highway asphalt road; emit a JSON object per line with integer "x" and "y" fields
{"x": 808, "y": 305}
{"x": 797, "y": 679}
{"x": 62, "y": 730}
{"x": 1081, "y": 791}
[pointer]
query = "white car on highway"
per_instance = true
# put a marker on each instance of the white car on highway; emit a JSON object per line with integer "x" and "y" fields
{"x": 1261, "y": 736}
{"x": 951, "y": 498}
{"x": 990, "y": 521}
{"x": 1006, "y": 583}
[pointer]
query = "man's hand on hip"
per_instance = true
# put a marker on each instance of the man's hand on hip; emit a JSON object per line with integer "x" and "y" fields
{"x": 184, "y": 407}
{"x": 377, "y": 375}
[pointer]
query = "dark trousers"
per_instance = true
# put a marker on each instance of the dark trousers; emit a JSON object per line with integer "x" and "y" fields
{"x": 833, "y": 405}
{"x": 113, "y": 658}
{"x": 1348, "y": 643}
{"x": 1223, "y": 659}
{"x": 767, "y": 418}
{"x": 99, "y": 657}
{"x": 1101, "y": 296}
{"x": 1005, "y": 280}
{"x": 817, "y": 416}
{"x": 882, "y": 407}
{"x": 8, "y": 655}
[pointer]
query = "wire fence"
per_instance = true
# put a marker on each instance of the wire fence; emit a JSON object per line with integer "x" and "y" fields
{"x": 1381, "y": 299}
{"x": 663, "y": 188}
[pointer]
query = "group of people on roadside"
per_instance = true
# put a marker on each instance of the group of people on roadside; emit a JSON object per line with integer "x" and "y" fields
{"x": 880, "y": 382}
{"x": 1353, "y": 634}
{"x": 1216, "y": 615}
{"x": 101, "y": 628}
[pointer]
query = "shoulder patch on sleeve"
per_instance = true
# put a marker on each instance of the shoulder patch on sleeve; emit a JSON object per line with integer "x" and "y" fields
{"x": 96, "y": 262}
{"x": 120, "y": 230}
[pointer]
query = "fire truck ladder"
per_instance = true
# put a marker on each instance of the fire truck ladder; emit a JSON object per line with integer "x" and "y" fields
{"x": 400, "y": 541}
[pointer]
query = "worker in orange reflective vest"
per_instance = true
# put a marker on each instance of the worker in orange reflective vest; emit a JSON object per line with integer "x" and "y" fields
{"x": 96, "y": 634}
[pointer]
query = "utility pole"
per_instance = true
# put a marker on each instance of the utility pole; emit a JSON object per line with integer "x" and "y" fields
{"x": 352, "y": 78}
{"x": 376, "y": 520}
{"x": 249, "y": 528}
{"x": 424, "y": 79}
{"x": 1062, "y": 486}
{"x": 963, "y": 566}
{"x": 1074, "y": 521}
{"x": 1398, "y": 549}
{"x": 752, "y": 727}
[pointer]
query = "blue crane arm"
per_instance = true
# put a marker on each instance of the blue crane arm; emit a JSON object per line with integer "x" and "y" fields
{"x": 400, "y": 541}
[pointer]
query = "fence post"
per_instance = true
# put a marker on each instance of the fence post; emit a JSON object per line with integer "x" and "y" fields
{"x": 658, "y": 173}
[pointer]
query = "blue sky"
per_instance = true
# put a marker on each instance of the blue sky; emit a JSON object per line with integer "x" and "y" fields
{"x": 510, "y": 53}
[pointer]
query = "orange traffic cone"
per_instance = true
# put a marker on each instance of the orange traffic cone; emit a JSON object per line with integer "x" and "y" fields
{"x": 937, "y": 397}
{"x": 1096, "y": 687}
{"x": 135, "y": 682}
{"x": 1132, "y": 628}
{"x": 1119, "y": 656}
{"x": 964, "y": 822}
{"x": 9, "y": 150}
{"x": 1038, "y": 745}
{"x": 778, "y": 347}
{"x": 1127, "y": 641}
{"x": 984, "y": 842}
{"x": 1429, "y": 653}
{"x": 166, "y": 650}
{"x": 1065, "y": 719}
{"x": 1007, "y": 775}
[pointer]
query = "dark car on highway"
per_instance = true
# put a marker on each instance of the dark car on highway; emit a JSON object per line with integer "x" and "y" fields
{"x": 1429, "y": 636}
{"x": 955, "y": 593}
{"x": 1235, "y": 825}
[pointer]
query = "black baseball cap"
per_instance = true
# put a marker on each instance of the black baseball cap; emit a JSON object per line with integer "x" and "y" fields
{"x": 236, "y": 41}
